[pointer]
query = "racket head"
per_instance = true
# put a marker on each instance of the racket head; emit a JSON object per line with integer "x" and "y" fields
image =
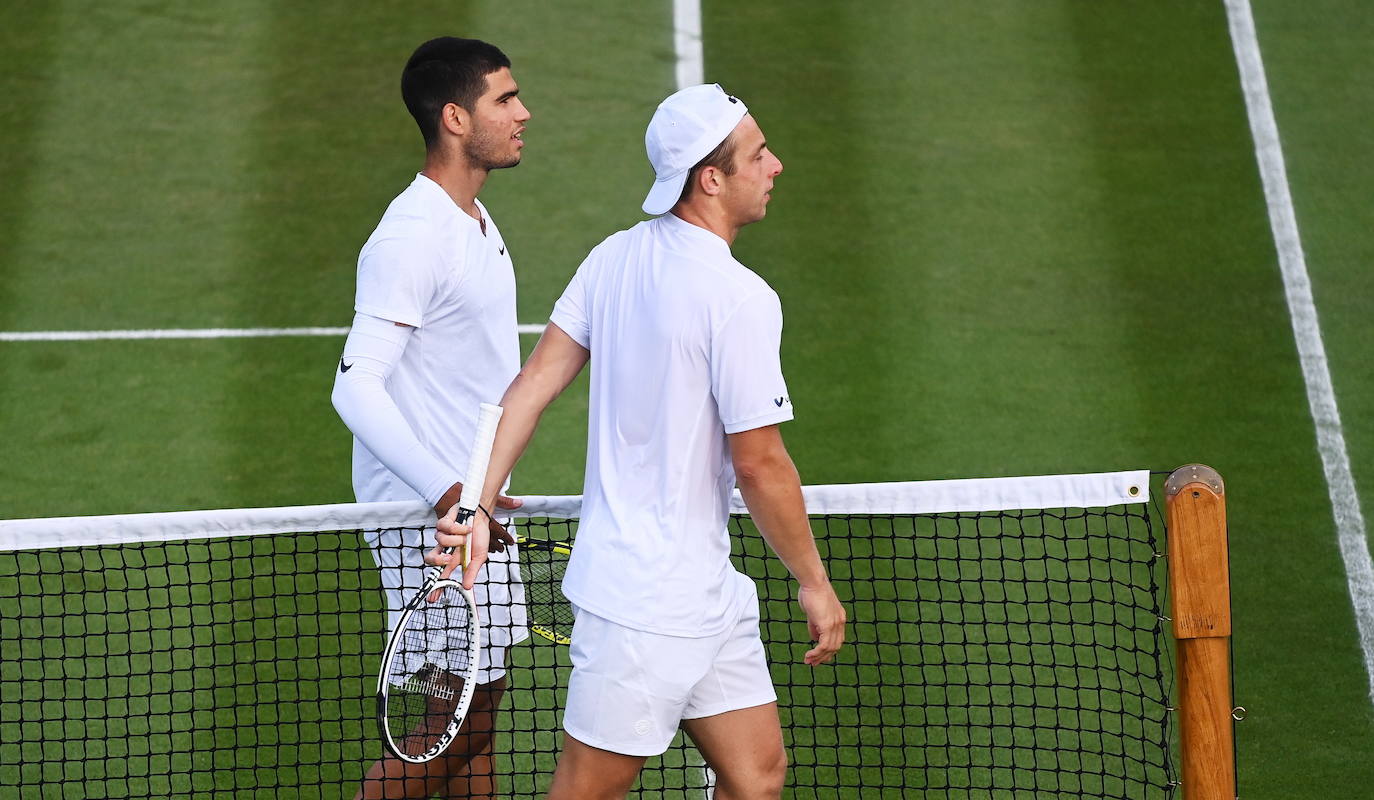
{"x": 542, "y": 563}
{"x": 429, "y": 672}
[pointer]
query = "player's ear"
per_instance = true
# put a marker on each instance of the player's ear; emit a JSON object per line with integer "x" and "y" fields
{"x": 454, "y": 119}
{"x": 709, "y": 180}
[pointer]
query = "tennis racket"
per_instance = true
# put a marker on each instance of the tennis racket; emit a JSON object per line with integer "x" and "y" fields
{"x": 429, "y": 668}
{"x": 542, "y": 563}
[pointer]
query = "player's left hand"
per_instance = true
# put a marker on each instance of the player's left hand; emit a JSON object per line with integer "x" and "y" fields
{"x": 500, "y": 537}
{"x": 825, "y": 618}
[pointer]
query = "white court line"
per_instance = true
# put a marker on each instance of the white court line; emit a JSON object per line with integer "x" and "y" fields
{"x": 1321, "y": 398}
{"x": 192, "y": 333}
{"x": 687, "y": 43}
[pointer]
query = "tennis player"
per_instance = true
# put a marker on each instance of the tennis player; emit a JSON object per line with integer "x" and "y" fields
{"x": 687, "y": 393}
{"x": 433, "y": 337}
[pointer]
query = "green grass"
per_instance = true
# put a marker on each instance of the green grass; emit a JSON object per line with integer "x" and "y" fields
{"x": 1011, "y": 238}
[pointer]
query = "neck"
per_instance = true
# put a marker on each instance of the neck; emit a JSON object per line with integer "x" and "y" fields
{"x": 460, "y": 179}
{"x": 708, "y": 216}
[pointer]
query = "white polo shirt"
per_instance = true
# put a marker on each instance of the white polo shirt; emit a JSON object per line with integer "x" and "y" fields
{"x": 429, "y": 265}
{"x": 684, "y": 350}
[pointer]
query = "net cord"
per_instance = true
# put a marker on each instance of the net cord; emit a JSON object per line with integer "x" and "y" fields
{"x": 1092, "y": 490}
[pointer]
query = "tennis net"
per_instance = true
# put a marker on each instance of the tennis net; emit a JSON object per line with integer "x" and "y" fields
{"x": 1006, "y": 639}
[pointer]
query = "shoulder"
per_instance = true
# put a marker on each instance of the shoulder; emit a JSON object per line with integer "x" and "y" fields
{"x": 611, "y": 254}
{"x": 415, "y": 229}
{"x": 731, "y": 286}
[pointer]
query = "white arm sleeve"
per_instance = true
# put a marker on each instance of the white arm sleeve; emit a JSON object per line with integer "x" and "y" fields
{"x": 373, "y": 348}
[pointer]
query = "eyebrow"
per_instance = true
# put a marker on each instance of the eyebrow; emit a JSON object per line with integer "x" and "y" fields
{"x": 508, "y": 95}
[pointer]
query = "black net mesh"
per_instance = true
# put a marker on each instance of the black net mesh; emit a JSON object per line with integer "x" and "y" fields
{"x": 1001, "y": 654}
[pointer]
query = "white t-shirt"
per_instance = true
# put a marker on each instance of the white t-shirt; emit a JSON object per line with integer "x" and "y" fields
{"x": 684, "y": 350}
{"x": 429, "y": 265}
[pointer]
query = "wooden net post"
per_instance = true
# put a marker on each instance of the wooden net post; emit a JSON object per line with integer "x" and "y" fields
{"x": 1200, "y": 583}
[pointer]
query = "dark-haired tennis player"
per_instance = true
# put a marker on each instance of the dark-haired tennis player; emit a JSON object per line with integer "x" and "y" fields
{"x": 687, "y": 393}
{"x": 433, "y": 337}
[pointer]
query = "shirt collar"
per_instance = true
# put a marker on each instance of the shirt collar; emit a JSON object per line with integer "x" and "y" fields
{"x": 682, "y": 227}
{"x": 439, "y": 197}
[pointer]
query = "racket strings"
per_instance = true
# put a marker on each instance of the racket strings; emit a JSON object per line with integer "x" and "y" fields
{"x": 426, "y": 672}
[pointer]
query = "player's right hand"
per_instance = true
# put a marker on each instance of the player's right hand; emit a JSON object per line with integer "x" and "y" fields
{"x": 450, "y": 537}
{"x": 449, "y": 533}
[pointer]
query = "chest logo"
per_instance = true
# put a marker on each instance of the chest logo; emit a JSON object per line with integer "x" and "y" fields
{"x": 344, "y": 367}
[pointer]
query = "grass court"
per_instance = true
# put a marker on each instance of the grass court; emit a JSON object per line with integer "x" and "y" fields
{"x": 1011, "y": 238}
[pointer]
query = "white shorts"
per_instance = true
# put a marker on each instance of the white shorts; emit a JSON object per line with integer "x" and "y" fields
{"x": 630, "y": 689}
{"x": 400, "y": 555}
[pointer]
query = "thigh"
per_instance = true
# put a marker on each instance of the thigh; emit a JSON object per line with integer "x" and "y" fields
{"x": 501, "y": 607}
{"x": 589, "y": 773}
{"x": 745, "y": 749}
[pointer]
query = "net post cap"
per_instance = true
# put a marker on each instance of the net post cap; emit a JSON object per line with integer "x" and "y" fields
{"x": 1194, "y": 473}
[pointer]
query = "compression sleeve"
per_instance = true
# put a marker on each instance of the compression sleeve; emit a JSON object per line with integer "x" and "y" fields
{"x": 373, "y": 348}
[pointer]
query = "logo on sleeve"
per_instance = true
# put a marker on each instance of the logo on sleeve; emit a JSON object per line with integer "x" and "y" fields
{"x": 779, "y": 401}
{"x": 503, "y": 249}
{"x": 344, "y": 367}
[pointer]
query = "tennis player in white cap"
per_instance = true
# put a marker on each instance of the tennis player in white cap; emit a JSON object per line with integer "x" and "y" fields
{"x": 687, "y": 393}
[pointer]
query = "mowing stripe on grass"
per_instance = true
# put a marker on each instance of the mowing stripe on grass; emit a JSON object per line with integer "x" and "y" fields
{"x": 192, "y": 333}
{"x": 1321, "y": 397}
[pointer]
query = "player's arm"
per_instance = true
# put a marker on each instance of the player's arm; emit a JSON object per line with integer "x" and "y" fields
{"x": 556, "y": 360}
{"x": 372, "y": 350}
{"x": 771, "y": 487}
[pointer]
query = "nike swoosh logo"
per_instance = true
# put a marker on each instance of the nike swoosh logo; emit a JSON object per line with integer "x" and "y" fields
{"x": 344, "y": 367}
{"x": 503, "y": 249}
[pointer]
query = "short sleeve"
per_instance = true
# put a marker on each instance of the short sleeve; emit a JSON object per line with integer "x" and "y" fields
{"x": 570, "y": 312}
{"x": 398, "y": 277}
{"x": 746, "y": 369}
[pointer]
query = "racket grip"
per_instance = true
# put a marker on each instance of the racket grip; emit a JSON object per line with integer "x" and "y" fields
{"x": 487, "y": 419}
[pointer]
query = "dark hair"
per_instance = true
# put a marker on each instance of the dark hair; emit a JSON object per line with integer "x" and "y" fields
{"x": 447, "y": 70}
{"x": 722, "y": 158}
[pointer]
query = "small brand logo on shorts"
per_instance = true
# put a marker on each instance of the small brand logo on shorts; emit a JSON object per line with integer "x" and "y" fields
{"x": 642, "y": 727}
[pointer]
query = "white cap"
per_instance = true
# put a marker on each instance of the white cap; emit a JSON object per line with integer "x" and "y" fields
{"x": 685, "y": 129}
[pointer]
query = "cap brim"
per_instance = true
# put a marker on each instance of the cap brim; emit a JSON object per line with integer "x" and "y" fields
{"x": 664, "y": 194}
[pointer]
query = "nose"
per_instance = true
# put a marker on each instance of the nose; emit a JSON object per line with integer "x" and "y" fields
{"x": 523, "y": 114}
{"x": 777, "y": 166}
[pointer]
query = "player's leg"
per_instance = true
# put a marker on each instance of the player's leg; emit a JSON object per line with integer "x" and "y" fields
{"x": 745, "y": 750}
{"x": 625, "y": 699}
{"x": 400, "y": 558}
{"x": 458, "y": 772}
{"x": 589, "y": 773}
{"x": 474, "y": 776}
{"x": 732, "y": 713}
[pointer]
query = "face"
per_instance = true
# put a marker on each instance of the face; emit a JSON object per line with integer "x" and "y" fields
{"x": 497, "y": 123}
{"x": 746, "y": 193}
